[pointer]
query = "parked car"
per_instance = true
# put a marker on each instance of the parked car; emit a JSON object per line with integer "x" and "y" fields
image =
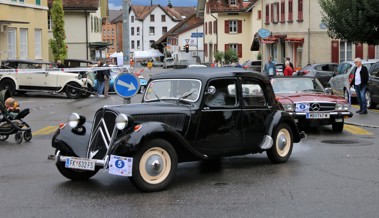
{"x": 157, "y": 63}
{"x": 340, "y": 82}
{"x": 185, "y": 115}
{"x": 25, "y": 64}
{"x": 372, "y": 94}
{"x": 280, "y": 69}
{"x": 309, "y": 103}
{"x": 253, "y": 65}
{"x": 168, "y": 62}
{"x": 196, "y": 66}
{"x": 53, "y": 80}
{"x": 322, "y": 71}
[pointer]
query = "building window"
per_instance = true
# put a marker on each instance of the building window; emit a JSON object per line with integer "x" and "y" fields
{"x": 275, "y": 12}
{"x": 104, "y": 33}
{"x": 210, "y": 27}
{"x": 267, "y": 21}
{"x": 112, "y": 32}
{"x": 151, "y": 43}
{"x": 163, "y": 18}
{"x": 164, "y": 30}
{"x": 12, "y": 43}
{"x": 138, "y": 45}
{"x": 108, "y": 33}
{"x": 137, "y": 31}
{"x": 233, "y": 26}
{"x": 49, "y": 22}
{"x": 132, "y": 19}
{"x": 38, "y": 43}
{"x": 233, "y": 2}
{"x": 151, "y": 30}
{"x": 152, "y": 18}
{"x": 346, "y": 52}
{"x": 132, "y": 44}
{"x": 132, "y": 31}
{"x": 300, "y": 11}
{"x": 234, "y": 47}
{"x": 24, "y": 43}
{"x": 290, "y": 11}
{"x": 38, "y": 2}
{"x": 282, "y": 11}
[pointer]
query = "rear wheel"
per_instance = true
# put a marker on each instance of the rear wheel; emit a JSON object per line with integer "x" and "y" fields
{"x": 73, "y": 90}
{"x": 87, "y": 94}
{"x": 154, "y": 166}
{"x": 4, "y": 137}
{"x": 8, "y": 84}
{"x": 338, "y": 127}
{"x": 370, "y": 104}
{"x": 28, "y": 136}
{"x": 283, "y": 143}
{"x": 74, "y": 174}
{"x": 18, "y": 137}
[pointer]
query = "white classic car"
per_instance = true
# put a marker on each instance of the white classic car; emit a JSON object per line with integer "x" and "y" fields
{"x": 54, "y": 80}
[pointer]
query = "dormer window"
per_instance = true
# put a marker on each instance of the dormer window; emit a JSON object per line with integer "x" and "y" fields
{"x": 233, "y": 2}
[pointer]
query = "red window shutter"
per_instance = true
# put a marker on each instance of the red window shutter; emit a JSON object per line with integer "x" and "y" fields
{"x": 272, "y": 13}
{"x": 300, "y": 10}
{"x": 205, "y": 28}
{"x": 215, "y": 48}
{"x": 239, "y": 50}
{"x": 215, "y": 27}
{"x": 207, "y": 5}
{"x": 259, "y": 15}
{"x": 290, "y": 11}
{"x": 359, "y": 50}
{"x": 371, "y": 52}
{"x": 239, "y": 26}
{"x": 210, "y": 27}
{"x": 335, "y": 51}
{"x": 267, "y": 21}
{"x": 226, "y": 47}
{"x": 282, "y": 12}
{"x": 226, "y": 26}
{"x": 206, "y": 50}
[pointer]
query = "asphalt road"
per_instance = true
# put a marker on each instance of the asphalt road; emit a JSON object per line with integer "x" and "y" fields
{"x": 328, "y": 175}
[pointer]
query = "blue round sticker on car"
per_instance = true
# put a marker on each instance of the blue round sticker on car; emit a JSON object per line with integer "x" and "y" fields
{"x": 119, "y": 164}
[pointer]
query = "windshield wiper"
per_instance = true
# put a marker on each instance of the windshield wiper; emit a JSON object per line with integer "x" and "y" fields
{"x": 186, "y": 96}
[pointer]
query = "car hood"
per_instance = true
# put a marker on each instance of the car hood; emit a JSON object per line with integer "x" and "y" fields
{"x": 308, "y": 97}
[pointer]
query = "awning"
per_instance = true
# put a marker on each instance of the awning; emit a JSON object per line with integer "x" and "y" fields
{"x": 294, "y": 39}
{"x": 99, "y": 44}
{"x": 269, "y": 40}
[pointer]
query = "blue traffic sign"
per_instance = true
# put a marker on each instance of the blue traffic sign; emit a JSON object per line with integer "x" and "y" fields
{"x": 197, "y": 35}
{"x": 126, "y": 85}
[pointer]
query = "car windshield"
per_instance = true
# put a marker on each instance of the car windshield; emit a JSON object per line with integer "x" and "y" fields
{"x": 173, "y": 89}
{"x": 285, "y": 85}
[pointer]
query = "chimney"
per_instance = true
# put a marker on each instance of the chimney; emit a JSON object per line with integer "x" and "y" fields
{"x": 169, "y": 4}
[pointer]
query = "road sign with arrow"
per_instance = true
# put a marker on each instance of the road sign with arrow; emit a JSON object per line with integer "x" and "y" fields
{"x": 126, "y": 85}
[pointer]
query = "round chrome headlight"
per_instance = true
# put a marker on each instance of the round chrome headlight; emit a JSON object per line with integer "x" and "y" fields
{"x": 289, "y": 107}
{"x": 121, "y": 121}
{"x": 339, "y": 107}
{"x": 73, "y": 120}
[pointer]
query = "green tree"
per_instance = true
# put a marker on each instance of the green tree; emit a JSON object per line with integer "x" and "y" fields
{"x": 58, "y": 44}
{"x": 230, "y": 56}
{"x": 356, "y": 21}
{"x": 219, "y": 55}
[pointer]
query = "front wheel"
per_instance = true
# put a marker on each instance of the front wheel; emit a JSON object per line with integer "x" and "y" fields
{"x": 369, "y": 102}
{"x": 154, "y": 166}
{"x": 18, "y": 137}
{"x": 4, "y": 137}
{"x": 73, "y": 90}
{"x": 28, "y": 136}
{"x": 8, "y": 84}
{"x": 283, "y": 143}
{"x": 74, "y": 174}
{"x": 338, "y": 127}
{"x": 88, "y": 93}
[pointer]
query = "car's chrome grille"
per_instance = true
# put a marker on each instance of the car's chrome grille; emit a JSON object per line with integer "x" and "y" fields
{"x": 176, "y": 121}
{"x": 102, "y": 130}
{"x": 317, "y": 106}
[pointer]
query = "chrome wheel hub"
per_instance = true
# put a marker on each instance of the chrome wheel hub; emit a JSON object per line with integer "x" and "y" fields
{"x": 282, "y": 142}
{"x": 154, "y": 165}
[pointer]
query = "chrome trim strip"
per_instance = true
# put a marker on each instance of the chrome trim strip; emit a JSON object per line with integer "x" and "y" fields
{"x": 267, "y": 142}
{"x": 97, "y": 162}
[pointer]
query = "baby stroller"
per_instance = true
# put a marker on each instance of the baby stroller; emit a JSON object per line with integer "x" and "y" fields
{"x": 15, "y": 125}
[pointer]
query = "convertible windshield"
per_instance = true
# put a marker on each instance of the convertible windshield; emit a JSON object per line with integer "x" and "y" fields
{"x": 283, "y": 85}
{"x": 184, "y": 89}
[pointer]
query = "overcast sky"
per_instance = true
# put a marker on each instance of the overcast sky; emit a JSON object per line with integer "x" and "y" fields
{"x": 117, "y": 4}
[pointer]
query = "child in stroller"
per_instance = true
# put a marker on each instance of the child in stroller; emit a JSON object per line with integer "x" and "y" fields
{"x": 11, "y": 119}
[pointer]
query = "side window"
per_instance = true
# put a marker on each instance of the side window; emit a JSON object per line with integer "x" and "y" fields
{"x": 375, "y": 71}
{"x": 345, "y": 68}
{"x": 339, "y": 68}
{"x": 253, "y": 94}
{"x": 225, "y": 93}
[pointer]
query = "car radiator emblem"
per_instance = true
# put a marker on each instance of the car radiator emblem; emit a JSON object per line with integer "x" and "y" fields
{"x": 315, "y": 107}
{"x": 106, "y": 137}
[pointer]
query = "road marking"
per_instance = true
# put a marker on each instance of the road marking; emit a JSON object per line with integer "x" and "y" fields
{"x": 356, "y": 130}
{"x": 45, "y": 131}
{"x": 357, "y": 106}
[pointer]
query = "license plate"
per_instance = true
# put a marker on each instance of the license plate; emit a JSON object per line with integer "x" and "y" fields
{"x": 80, "y": 163}
{"x": 318, "y": 116}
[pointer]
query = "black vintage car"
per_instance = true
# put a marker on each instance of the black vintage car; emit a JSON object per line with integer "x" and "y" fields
{"x": 185, "y": 115}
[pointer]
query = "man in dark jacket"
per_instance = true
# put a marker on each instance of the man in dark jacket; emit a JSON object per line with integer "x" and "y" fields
{"x": 100, "y": 79}
{"x": 359, "y": 82}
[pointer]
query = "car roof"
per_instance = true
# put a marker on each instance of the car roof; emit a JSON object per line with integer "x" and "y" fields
{"x": 207, "y": 73}
{"x": 79, "y": 60}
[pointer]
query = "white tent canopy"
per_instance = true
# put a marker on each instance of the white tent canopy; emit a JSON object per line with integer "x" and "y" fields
{"x": 116, "y": 54}
{"x": 147, "y": 54}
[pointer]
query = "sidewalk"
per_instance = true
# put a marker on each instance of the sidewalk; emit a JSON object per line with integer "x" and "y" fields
{"x": 364, "y": 120}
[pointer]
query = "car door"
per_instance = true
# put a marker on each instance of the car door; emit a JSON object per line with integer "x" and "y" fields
{"x": 255, "y": 110}
{"x": 374, "y": 83}
{"x": 218, "y": 130}
{"x": 323, "y": 74}
{"x": 342, "y": 77}
{"x": 37, "y": 79}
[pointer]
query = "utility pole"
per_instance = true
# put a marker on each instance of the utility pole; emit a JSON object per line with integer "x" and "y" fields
{"x": 125, "y": 37}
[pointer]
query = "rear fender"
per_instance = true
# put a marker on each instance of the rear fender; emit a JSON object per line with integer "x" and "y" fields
{"x": 132, "y": 142}
{"x": 72, "y": 141}
{"x": 280, "y": 117}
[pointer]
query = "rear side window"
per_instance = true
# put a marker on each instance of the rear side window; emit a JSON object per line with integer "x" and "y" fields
{"x": 323, "y": 67}
{"x": 375, "y": 71}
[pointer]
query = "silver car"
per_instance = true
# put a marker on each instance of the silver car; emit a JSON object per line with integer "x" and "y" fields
{"x": 340, "y": 81}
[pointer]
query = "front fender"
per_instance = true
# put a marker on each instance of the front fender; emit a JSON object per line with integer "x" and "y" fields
{"x": 71, "y": 141}
{"x": 132, "y": 142}
{"x": 283, "y": 117}
{"x": 17, "y": 85}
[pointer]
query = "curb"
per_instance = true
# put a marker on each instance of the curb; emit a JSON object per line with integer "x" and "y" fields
{"x": 361, "y": 125}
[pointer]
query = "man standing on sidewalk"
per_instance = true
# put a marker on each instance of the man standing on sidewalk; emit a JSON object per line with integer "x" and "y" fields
{"x": 360, "y": 84}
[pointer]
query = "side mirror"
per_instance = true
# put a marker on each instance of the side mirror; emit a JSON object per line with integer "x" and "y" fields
{"x": 211, "y": 90}
{"x": 329, "y": 91}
